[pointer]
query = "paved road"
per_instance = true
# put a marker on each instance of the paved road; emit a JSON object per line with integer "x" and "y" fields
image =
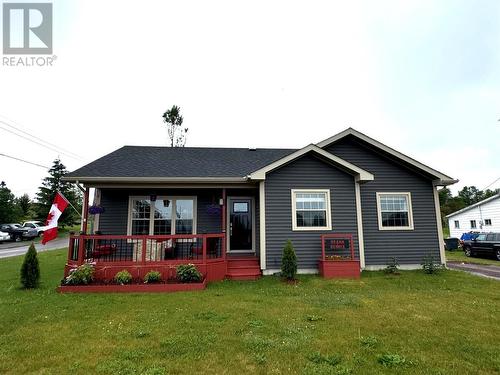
{"x": 476, "y": 269}
{"x": 12, "y": 249}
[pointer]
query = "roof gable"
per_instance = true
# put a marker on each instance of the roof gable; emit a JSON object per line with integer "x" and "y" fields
{"x": 484, "y": 201}
{"x": 441, "y": 177}
{"x": 360, "y": 173}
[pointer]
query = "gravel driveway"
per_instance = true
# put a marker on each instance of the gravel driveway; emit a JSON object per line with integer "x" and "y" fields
{"x": 476, "y": 269}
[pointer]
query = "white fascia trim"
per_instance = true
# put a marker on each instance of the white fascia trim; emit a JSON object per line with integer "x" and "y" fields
{"x": 300, "y": 271}
{"x": 439, "y": 227}
{"x": 362, "y": 175}
{"x": 443, "y": 179}
{"x": 262, "y": 224}
{"x": 473, "y": 205}
{"x": 156, "y": 179}
{"x": 359, "y": 217}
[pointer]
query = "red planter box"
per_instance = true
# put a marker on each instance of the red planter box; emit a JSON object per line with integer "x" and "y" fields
{"x": 133, "y": 288}
{"x": 332, "y": 269}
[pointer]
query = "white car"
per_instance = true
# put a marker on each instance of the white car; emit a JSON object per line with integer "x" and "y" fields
{"x": 4, "y": 237}
{"x": 38, "y": 225}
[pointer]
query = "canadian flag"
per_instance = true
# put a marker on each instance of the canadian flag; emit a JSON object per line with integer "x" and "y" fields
{"x": 59, "y": 205}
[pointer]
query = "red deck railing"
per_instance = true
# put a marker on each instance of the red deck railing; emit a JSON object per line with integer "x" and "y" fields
{"x": 337, "y": 244}
{"x": 145, "y": 249}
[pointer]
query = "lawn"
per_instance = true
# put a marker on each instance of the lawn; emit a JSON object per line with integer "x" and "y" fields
{"x": 459, "y": 256}
{"x": 445, "y": 324}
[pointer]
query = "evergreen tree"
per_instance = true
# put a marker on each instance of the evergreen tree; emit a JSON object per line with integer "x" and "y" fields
{"x": 30, "y": 270}
{"x": 24, "y": 206}
{"x": 50, "y": 186}
{"x": 8, "y": 212}
{"x": 289, "y": 261}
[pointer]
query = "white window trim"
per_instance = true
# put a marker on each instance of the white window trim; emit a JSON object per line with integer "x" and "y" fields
{"x": 456, "y": 223}
{"x": 487, "y": 224}
{"x": 328, "y": 210}
{"x": 410, "y": 211}
{"x": 151, "y": 216}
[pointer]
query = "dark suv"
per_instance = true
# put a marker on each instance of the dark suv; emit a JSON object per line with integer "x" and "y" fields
{"x": 483, "y": 244}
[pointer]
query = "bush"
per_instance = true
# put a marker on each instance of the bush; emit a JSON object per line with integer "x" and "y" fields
{"x": 430, "y": 265}
{"x": 123, "y": 277}
{"x": 188, "y": 273}
{"x": 392, "y": 267}
{"x": 30, "y": 270}
{"x": 82, "y": 275}
{"x": 152, "y": 277}
{"x": 289, "y": 262}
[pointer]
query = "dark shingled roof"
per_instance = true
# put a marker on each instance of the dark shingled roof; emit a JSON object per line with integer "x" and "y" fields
{"x": 146, "y": 161}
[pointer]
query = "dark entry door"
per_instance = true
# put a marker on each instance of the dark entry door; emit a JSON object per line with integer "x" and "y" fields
{"x": 240, "y": 224}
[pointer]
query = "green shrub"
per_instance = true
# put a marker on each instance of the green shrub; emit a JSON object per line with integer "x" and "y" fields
{"x": 82, "y": 275}
{"x": 368, "y": 341}
{"x": 152, "y": 277}
{"x": 30, "y": 270}
{"x": 289, "y": 262}
{"x": 392, "y": 267}
{"x": 188, "y": 273}
{"x": 430, "y": 265}
{"x": 318, "y": 358}
{"x": 123, "y": 277}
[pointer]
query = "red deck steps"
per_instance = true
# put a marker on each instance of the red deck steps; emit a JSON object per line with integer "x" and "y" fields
{"x": 243, "y": 267}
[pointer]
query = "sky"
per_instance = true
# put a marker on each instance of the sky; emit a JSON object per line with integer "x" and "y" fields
{"x": 420, "y": 76}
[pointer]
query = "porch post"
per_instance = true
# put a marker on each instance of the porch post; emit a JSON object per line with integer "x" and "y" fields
{"x": 85, "y": 210}
{"x": 223, "y": 224}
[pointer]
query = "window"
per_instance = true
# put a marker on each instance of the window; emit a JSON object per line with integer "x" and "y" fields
{"x": 490, "y": 237}
{"x": 487, "y": 221}
{"x": 457, "y": 224}
{"x": 165, "y": 215}
{"x": 311, "y": 210}
{"x": 481, "y": 237}
{"x": 473, "y": 224}
{"x": 394, "y": 211}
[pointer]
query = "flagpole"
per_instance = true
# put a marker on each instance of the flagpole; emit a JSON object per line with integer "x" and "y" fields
{"x": 73, "y": 207}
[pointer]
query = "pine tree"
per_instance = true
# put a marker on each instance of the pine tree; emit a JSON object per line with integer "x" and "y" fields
{"x": 30, "y": 270}
{"x": 24, "y": 206}
{"x": 8, "y": 212}
{"x": 50, "y": 186}
{"x": 289, "y": 262}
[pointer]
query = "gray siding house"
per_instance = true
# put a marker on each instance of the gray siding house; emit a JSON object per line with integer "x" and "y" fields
{"x": 257, "y": 199}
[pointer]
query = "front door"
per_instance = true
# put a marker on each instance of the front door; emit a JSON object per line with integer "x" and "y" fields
{"x": 241, "y": 224}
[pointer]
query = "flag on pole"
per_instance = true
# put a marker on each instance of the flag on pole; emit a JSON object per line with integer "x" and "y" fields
{"x": 58, "y": 206}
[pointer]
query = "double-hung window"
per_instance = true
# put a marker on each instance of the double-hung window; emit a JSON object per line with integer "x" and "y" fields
{"x": 457, "y": 224}
{"x": 311, "y": 209}
{"x": 165, "y": 215}
{"x": 394, "y": 211}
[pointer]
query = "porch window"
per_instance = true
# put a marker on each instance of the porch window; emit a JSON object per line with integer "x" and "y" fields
{"x": 164, "y": 216}
{"x": 311, "y": 209}
{"x": 394, "y": 211}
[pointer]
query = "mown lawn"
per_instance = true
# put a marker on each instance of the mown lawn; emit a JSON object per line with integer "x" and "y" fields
{"x": 446, "y": 324}
{"x": 459, "y": 256}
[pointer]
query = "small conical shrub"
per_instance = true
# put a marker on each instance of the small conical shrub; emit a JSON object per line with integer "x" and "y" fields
{"x": 30, "y": 270}
{"x": 289, "y": 262}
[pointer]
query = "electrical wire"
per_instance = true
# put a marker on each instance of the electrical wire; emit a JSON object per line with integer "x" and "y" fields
{"x": 24, "y": 161}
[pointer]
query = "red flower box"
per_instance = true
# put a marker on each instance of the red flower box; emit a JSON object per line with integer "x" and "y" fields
{"x": 333, "y": 269}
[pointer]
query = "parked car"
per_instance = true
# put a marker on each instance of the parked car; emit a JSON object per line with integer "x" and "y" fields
{"x": 4, "y": 236}
{"x": 483, "y": 244}
{"x": 38, "y": 225}
{"x": 18, "y": 233}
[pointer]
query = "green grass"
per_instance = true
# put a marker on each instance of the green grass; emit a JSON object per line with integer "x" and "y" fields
{"x": 412, "y": 323}
{"x": 459, "y": 256}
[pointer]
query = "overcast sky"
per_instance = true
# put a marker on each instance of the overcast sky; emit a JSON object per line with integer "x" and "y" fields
{"x": 420, "y": 76}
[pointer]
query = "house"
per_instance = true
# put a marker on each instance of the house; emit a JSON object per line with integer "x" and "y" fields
{"x": 483, "y": 216}
{"x": 230, "y": 210}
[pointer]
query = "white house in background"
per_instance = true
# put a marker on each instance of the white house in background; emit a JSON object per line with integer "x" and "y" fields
{"x": 483, "y": 216}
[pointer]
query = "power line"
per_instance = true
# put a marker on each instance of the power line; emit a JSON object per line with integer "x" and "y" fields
{"x": 38, "y": 143}
{"x": 498, "y": 179}
{"x": 25, "y": 161}
{"x": 51, "y": 147}
{"x": 38, "y": 138}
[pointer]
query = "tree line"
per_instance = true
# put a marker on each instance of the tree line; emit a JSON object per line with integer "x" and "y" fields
{"x": 19, "y": 209}
{"x": 465, "y": 197}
